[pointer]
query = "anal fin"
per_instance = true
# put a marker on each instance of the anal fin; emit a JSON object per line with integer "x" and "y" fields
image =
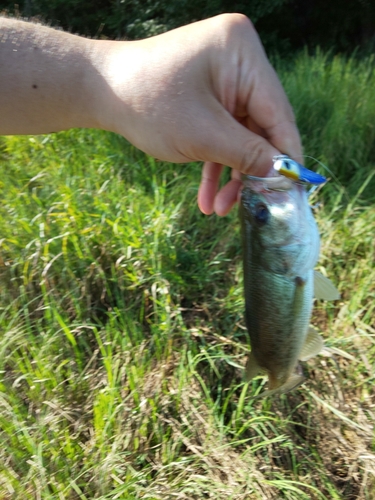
{"x": 312, "y": 346}
{"x": 252, "y": 368}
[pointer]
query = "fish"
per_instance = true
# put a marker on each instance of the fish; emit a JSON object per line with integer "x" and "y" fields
{"x": 281, "y": 244}
{"x": 295, "y": 171}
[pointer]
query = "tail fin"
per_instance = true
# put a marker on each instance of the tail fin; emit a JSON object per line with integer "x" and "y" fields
{"x": 292, "y": 383}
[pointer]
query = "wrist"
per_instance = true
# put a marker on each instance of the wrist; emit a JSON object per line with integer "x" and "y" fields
{"x": 107, "y": 81}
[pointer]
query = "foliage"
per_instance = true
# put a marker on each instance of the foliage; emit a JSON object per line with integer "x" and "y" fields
{"x": 135, "y": 18}
{"x": 122, "y": 337}
{"x": 334, "y": 102}
{"x": 284, "y": 25}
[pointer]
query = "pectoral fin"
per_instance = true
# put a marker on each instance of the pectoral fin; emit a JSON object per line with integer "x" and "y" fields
{"x": 324, "y": 288}
{"x": 312, "y": 346}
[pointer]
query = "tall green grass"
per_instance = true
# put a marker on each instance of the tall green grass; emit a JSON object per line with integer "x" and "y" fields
{"x": 334, "y": 102}
{"x": 121, "y": 317}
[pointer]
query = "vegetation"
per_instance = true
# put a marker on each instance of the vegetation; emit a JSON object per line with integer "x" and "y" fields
{"x": 121, "y": 317}
{"x": 284, "y": 25}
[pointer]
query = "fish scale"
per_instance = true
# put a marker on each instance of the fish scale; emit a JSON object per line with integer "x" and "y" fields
{"x": 275, "y": 329}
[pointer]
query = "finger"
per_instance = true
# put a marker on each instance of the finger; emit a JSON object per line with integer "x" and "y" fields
{"x": 258, "y": 94}
{"x": 225, "y": 141}
{"x": 250, "y": 124}
{"x": 208, "y": 187}
{"x": 269, "y": 107}
{"x": 285, "y": 137}
{"x": 227, "y": 197}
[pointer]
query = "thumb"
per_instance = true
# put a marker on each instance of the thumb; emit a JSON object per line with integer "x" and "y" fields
{"x": 230, "y": 143}
{"x": 270, "y": 130}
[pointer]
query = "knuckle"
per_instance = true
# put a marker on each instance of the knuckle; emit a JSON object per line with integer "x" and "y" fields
{"x": 232, "y": 23}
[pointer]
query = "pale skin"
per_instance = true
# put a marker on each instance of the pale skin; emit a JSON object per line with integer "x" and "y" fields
{"x": 204, "y": 92}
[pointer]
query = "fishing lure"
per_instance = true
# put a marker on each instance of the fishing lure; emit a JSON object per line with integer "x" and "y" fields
{"x": 295, "y": 171}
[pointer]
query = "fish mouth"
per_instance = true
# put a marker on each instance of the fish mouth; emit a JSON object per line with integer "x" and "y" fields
{"x": 259, "y": 184}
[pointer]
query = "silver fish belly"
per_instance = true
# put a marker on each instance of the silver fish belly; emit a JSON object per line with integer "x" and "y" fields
{"x": 280, "y": 249}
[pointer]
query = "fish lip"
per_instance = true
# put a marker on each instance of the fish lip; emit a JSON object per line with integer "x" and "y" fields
{"x": 276, "y": 183}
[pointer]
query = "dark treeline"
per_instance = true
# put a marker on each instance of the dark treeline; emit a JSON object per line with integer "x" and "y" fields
{"x": 284, "y": 25}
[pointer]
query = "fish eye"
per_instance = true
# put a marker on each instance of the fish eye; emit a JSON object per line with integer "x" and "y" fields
{"x": 261, "y": 214}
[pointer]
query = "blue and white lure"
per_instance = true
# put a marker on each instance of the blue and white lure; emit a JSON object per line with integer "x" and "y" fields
{"x": 295, "y": 171}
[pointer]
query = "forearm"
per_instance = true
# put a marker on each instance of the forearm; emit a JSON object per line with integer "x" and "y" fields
{"x": 48, "y": 79}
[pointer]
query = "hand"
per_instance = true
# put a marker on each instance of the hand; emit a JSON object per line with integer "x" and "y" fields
{"x": 203, "y": 92}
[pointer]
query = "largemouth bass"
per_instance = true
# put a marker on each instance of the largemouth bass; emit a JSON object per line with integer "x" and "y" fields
{"x": 280, "y": 249}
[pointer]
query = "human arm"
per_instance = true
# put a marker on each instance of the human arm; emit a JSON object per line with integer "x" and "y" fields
{"x": 202, "y": 92}
{"x": 47, "y": 80}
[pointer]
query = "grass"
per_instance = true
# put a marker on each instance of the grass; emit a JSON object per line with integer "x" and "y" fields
{"x": 334, "y": 102}
{"x": 121, "y": 318}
